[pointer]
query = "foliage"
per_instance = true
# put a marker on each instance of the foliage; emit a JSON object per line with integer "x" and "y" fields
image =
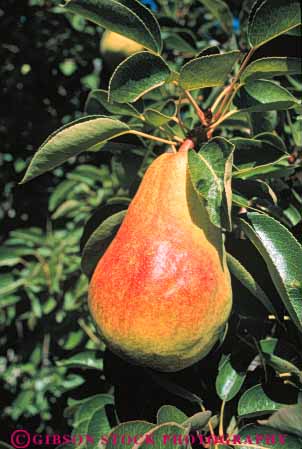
{"x": 202, "y": 80}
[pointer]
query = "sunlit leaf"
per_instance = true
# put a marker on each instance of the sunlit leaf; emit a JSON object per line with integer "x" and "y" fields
{"x": 136, "y": 76}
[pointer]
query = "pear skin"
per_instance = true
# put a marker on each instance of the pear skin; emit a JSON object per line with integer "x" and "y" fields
{"x": 115, "y": 48}
{"x": 161, "y": 293}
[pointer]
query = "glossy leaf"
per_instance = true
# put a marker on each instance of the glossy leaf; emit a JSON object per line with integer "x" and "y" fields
{"x": 270, "y": 67}
{"x": 90, "y": 417}
{"x": 210, "y": 172}
{"x": 286, "y": 420}
{"x": 127, "y": 17}
{"x": 255, "y": 402}
{"x": 243, "y": 276}
{"x": 283, "y": 255}
{"x": 265, "y": 436}
{"x": 131, "y": 429}
{"x": 221, "y": 11}
{"x": 229, "y": 381}
{"x": 169, "y": 413}
{"x": 99, "y": 240}
{"x": 88, "y": 359}
{"x": 281, "y": 365}
{"x": 208, "y": 71}
{"x": 271, "y": 18}
{"x": 263, "y": 95}
{"x": 136, "y": 76}
{"x": 97, "y": 102}
{"x": 77, "y": 137}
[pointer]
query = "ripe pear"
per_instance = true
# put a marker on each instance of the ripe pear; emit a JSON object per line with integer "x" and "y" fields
{"x": 161, "y": 293}
{"x": 115, "y": 48}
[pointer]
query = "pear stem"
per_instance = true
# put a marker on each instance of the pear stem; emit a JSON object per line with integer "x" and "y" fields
{"x": 187, "y": 145}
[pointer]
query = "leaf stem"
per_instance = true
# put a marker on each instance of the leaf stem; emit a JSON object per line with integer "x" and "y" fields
{"x": 221, "y": 432}
{"x": 219, "y": 98}
{"x": 210, "y": 426}
{"x": 149, "y": 136}
{"x": 198, "y": 110}
{"x": 233, "y": 83}
{"x": 219, "y": 121}
{"x": 183, "y": 127}
{"x": 88, "y": 331}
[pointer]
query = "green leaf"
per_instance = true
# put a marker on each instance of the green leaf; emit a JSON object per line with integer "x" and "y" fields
{"x": 210, "y": 172}
{"x": 287, "y": 420}
{"x": 65, "y": 208}
{"x": 66, "y": 446}
{"x": 283, "y": 255}
{"x": 98, "y": 426}
{"x": 180, "y": 41}
{"x": 60, "y": 193}
{"x": 169, "y": 413}
{"x": 136, "y": 76}
{"x": 211, "y": 50}
{"x": 243, "y": 276}
{"x": 297, "y": 131}
{"x": 272, "y": 18}
{"x": 99, "y": 241}
{"x": 221, "y": 11}
{"x": 4, "y": 445}
{"x": 268, "y": 345}
{"x": 10, "y": 256}
{"x": 156, "y": 118}
{"x": 91, "y": 416}
{"x": 282, "y": 366}
{"x": 263, "y": 121}
{"x": 262, "y": 95}
{"x": 198, "y": 421}
{"x": 97, "y": 101}
{"x": 270, "y": 169}
{"x": 270, "y": 67}
{"x": 292, "y": 214}
{"x": 9, "y": 284}
{"x": 73, "y": 140}
{"x": 229, "y": 381}
{"x": 254, "y": 157}
{"x": 163, "y": 436}
{"x": 255, "y": 402}
{"x": 88, "y": 359}
{"x": 272, "y": 139}
{"x": 127, "y": 17}
{"x": 266, "y": 437}
{"x": 255, "y": 189}
{"x": 208, "y": 71}
{"x": 129, "y": 429}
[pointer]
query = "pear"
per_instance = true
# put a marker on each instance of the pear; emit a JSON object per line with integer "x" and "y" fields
{"x": 161, "y": 293}
{"x": 115, "y": 48}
